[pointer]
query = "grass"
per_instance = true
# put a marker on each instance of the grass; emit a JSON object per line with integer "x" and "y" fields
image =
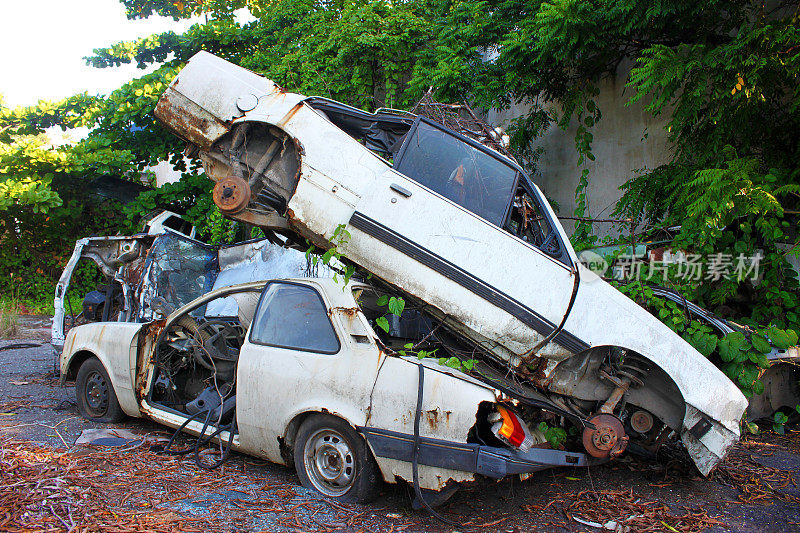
{"x": 44, "y": 306}
{"x": 9, "y": 321}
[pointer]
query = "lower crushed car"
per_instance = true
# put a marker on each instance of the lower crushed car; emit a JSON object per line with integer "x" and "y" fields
{"x": 292, "y": 371}
{"x": 462, "y": 233}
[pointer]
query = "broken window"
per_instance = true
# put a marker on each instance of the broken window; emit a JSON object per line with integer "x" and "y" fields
{"x": 293, "y": 316}
{"x": 528, "y": 221}
{"x": 458, "y": 170}
{"x": 179, "y": 270}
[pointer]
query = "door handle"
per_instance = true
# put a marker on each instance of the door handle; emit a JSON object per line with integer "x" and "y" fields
{"x": 402, "y": 191}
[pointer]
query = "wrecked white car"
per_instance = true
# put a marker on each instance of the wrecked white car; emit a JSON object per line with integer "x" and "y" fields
{"x": 291, "y": 371}
{"x": 461, "y": 232}
{"x": 164, "y": 267}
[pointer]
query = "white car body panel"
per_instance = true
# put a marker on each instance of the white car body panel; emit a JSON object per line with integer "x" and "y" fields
{"x": 517, "y": 295}
{"x": 275, "y": 385}
{"x": 115, "y": 344}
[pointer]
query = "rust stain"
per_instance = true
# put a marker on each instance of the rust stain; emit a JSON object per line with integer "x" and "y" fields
{"x": 188, "y": 125}
{"x": 304, "y": 231}
{"x": 349, "y": 312}
{"x": 432, "y": 417}
{"x": 146, "y": 340}
{"x": 292, "y": 112}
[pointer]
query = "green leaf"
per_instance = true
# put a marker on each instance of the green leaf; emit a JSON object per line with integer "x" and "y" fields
{"x": 382, "y": 323}
{"x": 730, "y": 346}
{"x": 705, "y": 343}
{"x": 749, "y": 375}
{"x": 779, "y": 338}
{"x": 396, "y": 306}
{"x": 760, "y": 343}
{"x": 758, "y": 387}
{"x": 383, "y": 300}
{"x": 408, "y": 346}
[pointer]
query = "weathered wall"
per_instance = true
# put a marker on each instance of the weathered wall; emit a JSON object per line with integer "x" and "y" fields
{"x": 626, "y": 138}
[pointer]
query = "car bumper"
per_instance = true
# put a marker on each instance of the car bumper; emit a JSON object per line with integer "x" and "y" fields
{"x": 468, "y": 457}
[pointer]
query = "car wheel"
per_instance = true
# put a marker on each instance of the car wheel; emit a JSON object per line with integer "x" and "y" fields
{"x": 334, "y": 460}
{"x": 95, "y": 393}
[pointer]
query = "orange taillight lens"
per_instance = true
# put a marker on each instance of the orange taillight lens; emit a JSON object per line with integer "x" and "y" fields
{"x": 511, "y": 429}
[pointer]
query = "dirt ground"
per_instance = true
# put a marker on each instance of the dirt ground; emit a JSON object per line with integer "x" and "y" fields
{"x": 47, "y": 483}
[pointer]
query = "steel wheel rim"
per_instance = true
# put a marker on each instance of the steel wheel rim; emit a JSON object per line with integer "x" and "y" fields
{"x": 329, "y": 462}
{"x": 96, "y": 394}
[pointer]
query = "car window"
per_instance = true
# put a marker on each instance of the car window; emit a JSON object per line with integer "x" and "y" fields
{"x": 458, "y": 171}
{"x": 529, "y": 221}
{"x": 293, "y": 316}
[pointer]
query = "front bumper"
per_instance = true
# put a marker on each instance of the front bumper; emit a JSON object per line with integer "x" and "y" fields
{"x": 466, "y": 457}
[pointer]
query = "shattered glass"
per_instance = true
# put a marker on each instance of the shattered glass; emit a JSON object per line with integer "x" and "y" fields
{"x": 179, "y": 270}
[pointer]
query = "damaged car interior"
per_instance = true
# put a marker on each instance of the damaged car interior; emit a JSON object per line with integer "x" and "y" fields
{"x": 194, "y": 371}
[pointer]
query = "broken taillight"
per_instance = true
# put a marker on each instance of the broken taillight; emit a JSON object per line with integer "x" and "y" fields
{"x": 508, "y": 427}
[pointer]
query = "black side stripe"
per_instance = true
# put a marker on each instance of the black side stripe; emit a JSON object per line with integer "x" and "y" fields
{"x": 444, "y": 267}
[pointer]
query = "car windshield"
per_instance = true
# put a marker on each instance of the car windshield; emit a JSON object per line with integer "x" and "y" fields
{"x": 458, "y": 171}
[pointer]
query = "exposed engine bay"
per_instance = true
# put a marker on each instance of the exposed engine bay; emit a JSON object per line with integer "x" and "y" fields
{"x": 195, "y": 364}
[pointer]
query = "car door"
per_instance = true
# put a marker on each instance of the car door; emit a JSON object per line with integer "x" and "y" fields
{"x": 299, "y": 357}
{"x": 441, "y": 209}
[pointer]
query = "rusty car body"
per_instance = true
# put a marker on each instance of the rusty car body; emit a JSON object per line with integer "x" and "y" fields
{"x": 290, "y": 370}
{"x": 461, "y": 231}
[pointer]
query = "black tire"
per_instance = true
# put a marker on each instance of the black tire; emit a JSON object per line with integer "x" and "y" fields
{"x": 97, "y": 400}
{"x": 334, "y": 460}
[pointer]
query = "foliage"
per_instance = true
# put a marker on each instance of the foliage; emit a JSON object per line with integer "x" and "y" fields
{"x": 44, "y": 207}
{"x": 359, "y": 52}
{"x": 555, "y": 435}
{"x": 725, "y": 74}
{"x": 742, "y": 357}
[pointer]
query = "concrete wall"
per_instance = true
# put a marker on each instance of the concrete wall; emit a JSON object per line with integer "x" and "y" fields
{"x": 626, "y": 139}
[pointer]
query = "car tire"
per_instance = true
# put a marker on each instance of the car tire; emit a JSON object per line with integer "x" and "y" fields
{"x": 94, "y": 391}
{"x": 334, "y": 460}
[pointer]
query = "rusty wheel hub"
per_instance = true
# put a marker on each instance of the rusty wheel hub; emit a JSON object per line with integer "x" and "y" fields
{"x": 607, "y": 439}
{"x": 231, "y": 195}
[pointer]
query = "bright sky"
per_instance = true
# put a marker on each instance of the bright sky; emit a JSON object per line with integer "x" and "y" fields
{"x": 43, "y": 42}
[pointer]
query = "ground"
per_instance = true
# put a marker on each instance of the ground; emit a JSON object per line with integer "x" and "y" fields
{"x": 47, "y": 483}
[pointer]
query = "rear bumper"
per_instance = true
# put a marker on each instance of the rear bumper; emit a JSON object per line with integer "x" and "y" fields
{"x": 466, "y": 457}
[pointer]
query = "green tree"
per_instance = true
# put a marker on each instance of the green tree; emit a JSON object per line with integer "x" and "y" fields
{"x": 43, "y": 202}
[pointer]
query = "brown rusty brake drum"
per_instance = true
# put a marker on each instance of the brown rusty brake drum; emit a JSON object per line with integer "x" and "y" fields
{"x": 231, "y": 194}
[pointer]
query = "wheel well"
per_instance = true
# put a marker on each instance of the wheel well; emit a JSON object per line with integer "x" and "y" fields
{"x": 579, "y": 376}
{"x": 75, "y": 363}
{"x": 287, "y": 441}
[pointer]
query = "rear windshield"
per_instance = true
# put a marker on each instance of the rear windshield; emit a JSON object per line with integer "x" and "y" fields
{"x": 458, "y": 171}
